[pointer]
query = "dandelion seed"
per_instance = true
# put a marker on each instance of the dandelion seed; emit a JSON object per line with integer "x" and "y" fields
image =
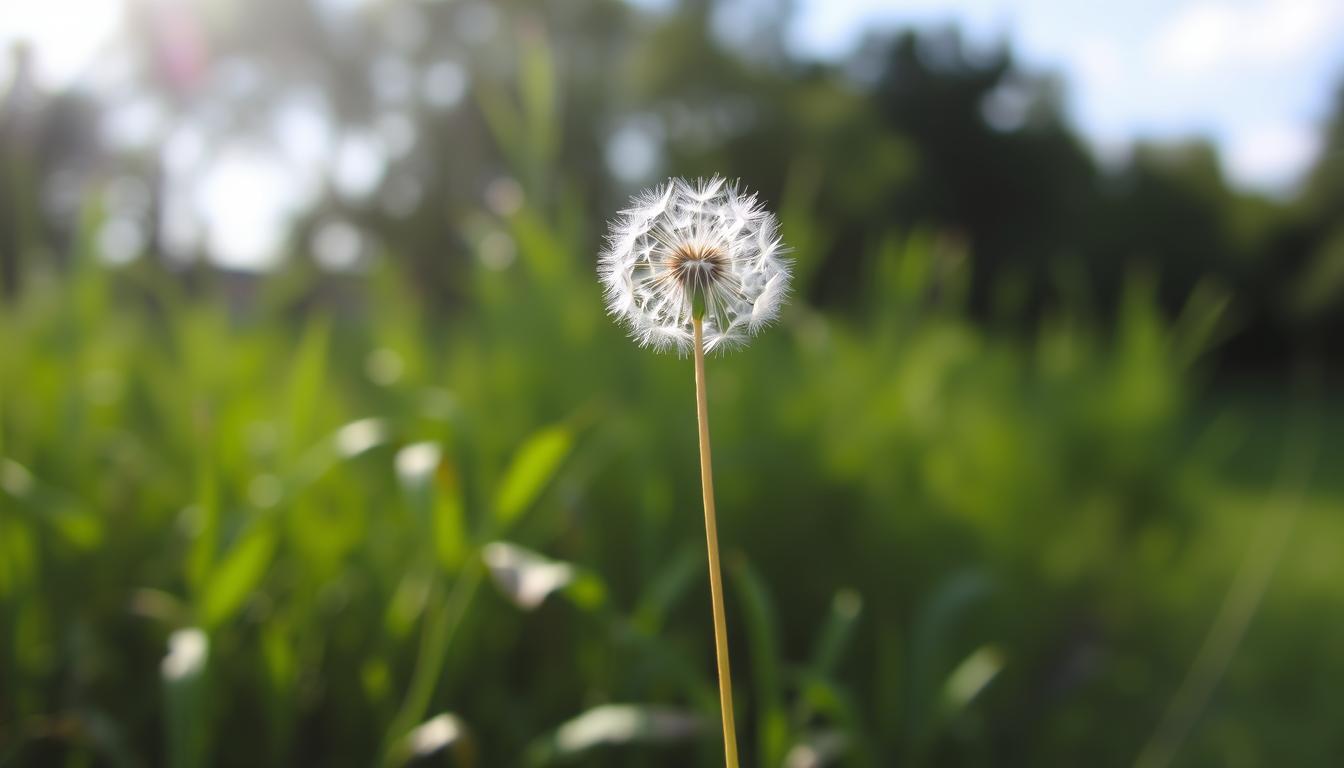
{"x": 687, "y": 248}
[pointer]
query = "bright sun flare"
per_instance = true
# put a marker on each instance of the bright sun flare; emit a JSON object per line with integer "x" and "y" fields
{"x": 66, "y": 36}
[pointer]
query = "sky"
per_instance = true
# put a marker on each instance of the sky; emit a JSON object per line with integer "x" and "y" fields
{"x": 1255, "y": 76}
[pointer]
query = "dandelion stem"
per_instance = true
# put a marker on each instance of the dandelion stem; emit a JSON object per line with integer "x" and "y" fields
{"x": 712, "y": 538}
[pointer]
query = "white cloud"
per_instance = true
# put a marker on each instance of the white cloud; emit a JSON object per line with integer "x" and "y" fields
{"x": 1285, "y": 30}
{"x": 1100, "y": 62}
{"x": 1207, "y": 37}
{"x": 1272, "y": 154}
{"x": 1197, "y": 39}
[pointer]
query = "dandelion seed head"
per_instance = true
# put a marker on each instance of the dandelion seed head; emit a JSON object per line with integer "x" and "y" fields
{"x": 685, "y": 246}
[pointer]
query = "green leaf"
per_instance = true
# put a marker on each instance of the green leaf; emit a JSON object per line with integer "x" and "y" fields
{"x": 668, "y": 586}
{"x": 533, "y": 467}
{"x": 931, "y": 636}
{"x": 450, "y": 518}
{"x": 236, "y": 577}
{"x": 762, "y": 634}
{"x": 433, "y": 489}
{"x": 307, "y": 375}
{"x": 1198, "y": 327}
{"x": 845, "y": 609}
{"x": 440, "y": 626}
{"x": 971, "y": 677}
{"x": 505, "y": 122}
{"x": 588, "y": 591}
{"x": 538, "y": 90}
{"x": 408, "y": 602}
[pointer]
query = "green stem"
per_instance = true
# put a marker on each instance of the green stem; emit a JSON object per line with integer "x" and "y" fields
{"x": 440, "y": 626}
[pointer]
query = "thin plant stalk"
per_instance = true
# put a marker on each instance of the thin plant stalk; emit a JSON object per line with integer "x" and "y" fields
{"x": 712, "y": 539}
{"x": 706, "y": 245}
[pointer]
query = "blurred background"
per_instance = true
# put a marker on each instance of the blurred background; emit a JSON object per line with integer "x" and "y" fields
{"x": 317, "y": 448}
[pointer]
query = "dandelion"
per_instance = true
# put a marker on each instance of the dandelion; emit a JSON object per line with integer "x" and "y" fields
{"x": 697, "y": 267}
{"x": 687, "y": 249}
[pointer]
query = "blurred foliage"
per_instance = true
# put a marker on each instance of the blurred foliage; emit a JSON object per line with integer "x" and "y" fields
{"x": 945, "y": 546}
{"x": 438, "y": 509}
{"x": 464, "y": 102}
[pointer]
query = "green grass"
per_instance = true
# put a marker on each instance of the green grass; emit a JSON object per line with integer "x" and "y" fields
{"x": 943, "y": 545}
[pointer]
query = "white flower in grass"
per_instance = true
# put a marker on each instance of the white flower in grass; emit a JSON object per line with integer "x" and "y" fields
{"x": 684, "y": 247}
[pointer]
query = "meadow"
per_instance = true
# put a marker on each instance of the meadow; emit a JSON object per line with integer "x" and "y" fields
{"x": 435, "y": 508}
{"x": 944, "y": 545}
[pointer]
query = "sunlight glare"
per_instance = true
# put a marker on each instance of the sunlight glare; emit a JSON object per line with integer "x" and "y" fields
{"x": 64, "y": 50}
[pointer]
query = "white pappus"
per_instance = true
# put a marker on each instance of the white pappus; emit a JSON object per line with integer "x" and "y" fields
{"x": 683, "y": 246}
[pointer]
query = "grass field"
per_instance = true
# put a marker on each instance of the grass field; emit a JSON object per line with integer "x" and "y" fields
{"x": 945, "y": 545}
